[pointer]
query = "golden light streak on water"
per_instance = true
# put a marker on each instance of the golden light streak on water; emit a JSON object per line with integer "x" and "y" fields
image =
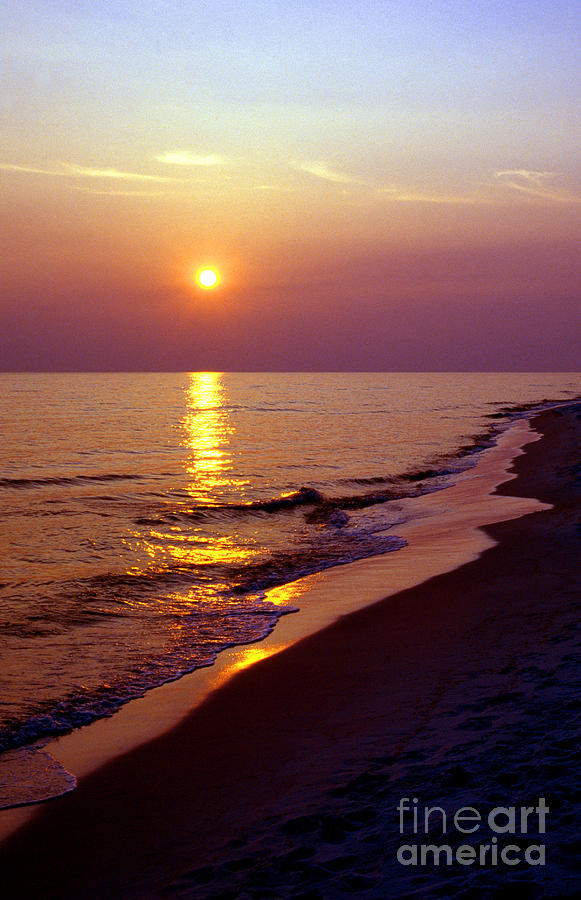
{"x": 208, "y": 430}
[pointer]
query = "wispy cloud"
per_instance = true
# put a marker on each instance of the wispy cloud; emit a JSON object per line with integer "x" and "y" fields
{"x": 529, "y": 176}
{"x": 97, "y": 193}
{"x": 88, "y": 172}
{"x": 407, "y": 196}
{"x": 532, "y": 184}
{"x": 321, "y": 170}
{"x": 188, "y": 158}
{"x": 28, "y": 170}
{"x": 273, "y": 187}
{"x": 70, "y": 170}
{"x": 535, "y": 184}
{"x": 390, "y": 192}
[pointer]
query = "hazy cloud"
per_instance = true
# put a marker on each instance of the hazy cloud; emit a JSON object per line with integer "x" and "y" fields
{"x": 30, "y": 170}
{"x": 534, "y": 184}
{"x": 404, "y": 196}
{"x": 98, "y": 193}
{"x": 526, "y": 175}
{"x": 273, "y": 187}
{"x": 320, "y": 170}
{"x": 69, "y": 170}
{"x": 87, "y": 172}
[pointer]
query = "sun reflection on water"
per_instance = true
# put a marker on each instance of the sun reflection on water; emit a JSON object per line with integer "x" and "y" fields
{"x": 208, "y": 429}
{"x": 207, "y": 553}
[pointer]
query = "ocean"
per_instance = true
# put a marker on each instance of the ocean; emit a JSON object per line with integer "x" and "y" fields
{"x": 145, "y": 516}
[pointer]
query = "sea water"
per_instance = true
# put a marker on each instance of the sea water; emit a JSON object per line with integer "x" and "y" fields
{"x": 144, "y": 516}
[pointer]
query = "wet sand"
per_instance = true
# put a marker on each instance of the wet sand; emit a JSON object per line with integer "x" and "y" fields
{"x": 460, "y": 691}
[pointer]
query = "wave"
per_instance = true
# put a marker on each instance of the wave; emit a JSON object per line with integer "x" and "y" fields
{"x": 110, "y": 595}
{"x": 306, "y": 496}
{"x": 327, "y": 507}
{"x": 243, "y": 621}
{"x": 286, "y": 567}
{"x": 31, "y": 776}
{"x": 240, "y": 614}
{"x": 26, "y": 483}
{"x": 302, "y": 497}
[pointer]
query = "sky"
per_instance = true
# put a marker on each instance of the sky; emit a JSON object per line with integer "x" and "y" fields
{"x": 381, "y": 185}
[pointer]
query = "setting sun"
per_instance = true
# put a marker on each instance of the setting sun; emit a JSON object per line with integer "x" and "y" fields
{"x": 207, "y": 277}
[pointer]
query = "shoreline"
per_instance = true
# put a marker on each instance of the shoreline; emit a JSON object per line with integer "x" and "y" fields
{"x": 443, "y": 532}
{"x": 208, "y": 771}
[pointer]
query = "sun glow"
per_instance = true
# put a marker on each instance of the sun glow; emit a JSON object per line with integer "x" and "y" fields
{"x": 207, "y": 277}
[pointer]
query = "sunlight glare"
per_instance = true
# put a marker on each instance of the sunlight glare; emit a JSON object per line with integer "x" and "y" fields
{"x": 207, "y": 278}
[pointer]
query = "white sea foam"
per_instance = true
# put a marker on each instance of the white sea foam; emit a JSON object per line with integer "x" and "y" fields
{"x": 31, "y": 775}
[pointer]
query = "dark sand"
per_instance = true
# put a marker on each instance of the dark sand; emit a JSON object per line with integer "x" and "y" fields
{"x": 464, "y": 690}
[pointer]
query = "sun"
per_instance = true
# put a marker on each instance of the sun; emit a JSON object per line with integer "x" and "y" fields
{"x": 207, "y": 277}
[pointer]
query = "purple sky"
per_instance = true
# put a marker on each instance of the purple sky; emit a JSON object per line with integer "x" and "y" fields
{"x": 377, "y": 191}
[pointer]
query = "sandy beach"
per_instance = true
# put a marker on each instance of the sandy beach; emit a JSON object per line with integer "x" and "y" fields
{"x": 285, "y": 782}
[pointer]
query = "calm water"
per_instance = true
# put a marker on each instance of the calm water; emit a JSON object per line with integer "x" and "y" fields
{"x": 144, "y": 515}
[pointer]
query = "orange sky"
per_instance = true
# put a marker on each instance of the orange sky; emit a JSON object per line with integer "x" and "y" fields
{"x": 377, "y": 192}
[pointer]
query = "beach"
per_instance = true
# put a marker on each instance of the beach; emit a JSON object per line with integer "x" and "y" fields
{"x": 284, "y": 782}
